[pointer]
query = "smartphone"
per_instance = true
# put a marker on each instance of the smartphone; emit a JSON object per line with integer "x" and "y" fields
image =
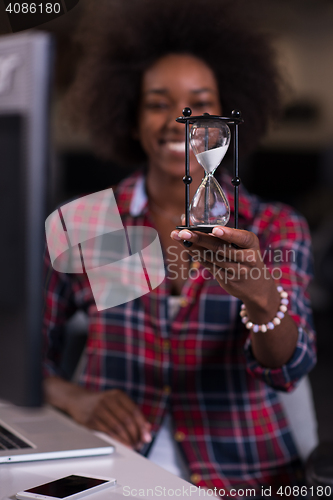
{"x": 67, "y": 488}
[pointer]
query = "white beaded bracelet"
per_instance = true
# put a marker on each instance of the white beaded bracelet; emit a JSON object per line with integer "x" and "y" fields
{"x": 271, "y": 324}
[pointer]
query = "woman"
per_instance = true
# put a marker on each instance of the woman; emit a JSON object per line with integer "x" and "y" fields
{"x": 180, "y": 358}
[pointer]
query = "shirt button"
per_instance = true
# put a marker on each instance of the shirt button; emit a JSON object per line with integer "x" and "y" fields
{"x": 195, "y": 478}
{"x": 167, "y": 389}
{"x": 166, "y": 344}
{"x": 179, "y": 436}
{"x": 183, "y": 302}
{"x": 195, "y": 265}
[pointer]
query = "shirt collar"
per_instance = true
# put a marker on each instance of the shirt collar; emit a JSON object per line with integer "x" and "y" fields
{"x": 139, "y": 198}
{"x": 132, "y": 196}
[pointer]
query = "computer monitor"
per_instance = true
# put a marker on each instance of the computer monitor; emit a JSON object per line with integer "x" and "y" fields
{"x": 25, "y": 75}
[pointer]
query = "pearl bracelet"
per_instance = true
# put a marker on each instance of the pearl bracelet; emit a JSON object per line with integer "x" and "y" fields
{"x": 271, "y": 324}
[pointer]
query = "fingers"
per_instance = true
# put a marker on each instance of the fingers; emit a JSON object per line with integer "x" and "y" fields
{"x": 108, "y": 423}
{"x": 208, "y": 248}
{"x": 223, "y": 235}
{"x": 234, "y": 246}
{"x": 121, "y": 418}
{"x": 101, "y": 426}
{"x": 103, "y": 419}
{"x": 239, "y": 237}
{"x": 198, "y": 240}
{"x": 141, "y": 423}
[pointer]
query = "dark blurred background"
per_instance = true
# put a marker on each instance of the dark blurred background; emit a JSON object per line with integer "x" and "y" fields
{"x": 294, "y": 164}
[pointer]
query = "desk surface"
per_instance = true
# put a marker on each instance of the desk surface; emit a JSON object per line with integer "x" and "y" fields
{"x": 132, "y": 471}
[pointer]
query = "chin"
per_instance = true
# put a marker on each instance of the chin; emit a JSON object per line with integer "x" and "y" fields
{"x": 177, "y": 168}
{"x": 173, "y": 169}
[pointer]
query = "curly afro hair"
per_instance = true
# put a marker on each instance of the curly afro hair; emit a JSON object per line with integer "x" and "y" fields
{"x": 121, "y": 39}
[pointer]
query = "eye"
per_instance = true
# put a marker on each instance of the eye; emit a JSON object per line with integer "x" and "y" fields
{"x": 156, "y": 105}
{"x": 203, "y": 104}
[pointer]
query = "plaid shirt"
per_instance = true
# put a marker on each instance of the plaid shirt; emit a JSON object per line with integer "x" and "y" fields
{"x": 227, "y": 417}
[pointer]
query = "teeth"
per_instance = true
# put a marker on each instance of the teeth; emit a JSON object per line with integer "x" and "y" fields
{"x": 179, "y": 147}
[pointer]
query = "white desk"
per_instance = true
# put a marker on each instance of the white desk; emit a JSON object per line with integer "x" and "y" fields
{"x": 129, "y": 468}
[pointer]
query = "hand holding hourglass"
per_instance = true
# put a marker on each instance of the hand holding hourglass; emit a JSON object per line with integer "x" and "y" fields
{"x": 228, "y": 253}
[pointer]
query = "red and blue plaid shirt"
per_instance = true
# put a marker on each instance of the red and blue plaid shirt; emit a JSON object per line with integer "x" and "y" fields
{"x": 199, "y": 366}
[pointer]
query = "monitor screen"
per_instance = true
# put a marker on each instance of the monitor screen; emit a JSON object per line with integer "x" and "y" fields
{"x": 25, "y": 75}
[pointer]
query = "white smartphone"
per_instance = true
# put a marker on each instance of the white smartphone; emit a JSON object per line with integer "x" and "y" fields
{"x": 67, "y": 488}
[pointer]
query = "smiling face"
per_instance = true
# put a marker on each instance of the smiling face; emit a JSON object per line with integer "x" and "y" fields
{"x": 169, "y": 85}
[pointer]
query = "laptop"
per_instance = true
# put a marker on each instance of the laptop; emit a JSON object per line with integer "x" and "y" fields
{"x": 28, "y": 434}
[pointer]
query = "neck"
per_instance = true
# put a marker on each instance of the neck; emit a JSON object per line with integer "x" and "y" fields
{"x": 168, "y": 191}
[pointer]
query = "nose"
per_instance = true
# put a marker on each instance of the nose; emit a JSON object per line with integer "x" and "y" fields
{"x": 175, "y": 112}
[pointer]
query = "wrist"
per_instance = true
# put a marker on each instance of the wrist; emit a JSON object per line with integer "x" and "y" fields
{"x": 61, "y": 393}
{"x": 263, "y": 306}
{"x": 263, "y": 324}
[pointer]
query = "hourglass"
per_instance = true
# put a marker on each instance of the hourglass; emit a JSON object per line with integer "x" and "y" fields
{"x": 209, "y": 139}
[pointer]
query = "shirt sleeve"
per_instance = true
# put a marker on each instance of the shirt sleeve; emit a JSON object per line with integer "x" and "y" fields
{"x": 59, "y": 305}
{"x": 287, "y": 253}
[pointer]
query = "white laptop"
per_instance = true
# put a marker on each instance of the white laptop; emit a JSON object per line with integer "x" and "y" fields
{"x": 28, "y": 434}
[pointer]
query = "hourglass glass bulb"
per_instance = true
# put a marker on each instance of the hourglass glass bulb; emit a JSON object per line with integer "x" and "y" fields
{"x": 210, "y": 141}
{"x": 210, "y": 206}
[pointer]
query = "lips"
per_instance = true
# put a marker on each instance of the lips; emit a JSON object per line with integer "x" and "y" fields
{"x": 173, "y": 148}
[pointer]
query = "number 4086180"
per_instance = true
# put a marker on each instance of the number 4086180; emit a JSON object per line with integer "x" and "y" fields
{"x": 33, "y": 8}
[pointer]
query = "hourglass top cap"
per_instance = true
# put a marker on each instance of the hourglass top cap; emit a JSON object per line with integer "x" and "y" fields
{"x": 236, "y": 117}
